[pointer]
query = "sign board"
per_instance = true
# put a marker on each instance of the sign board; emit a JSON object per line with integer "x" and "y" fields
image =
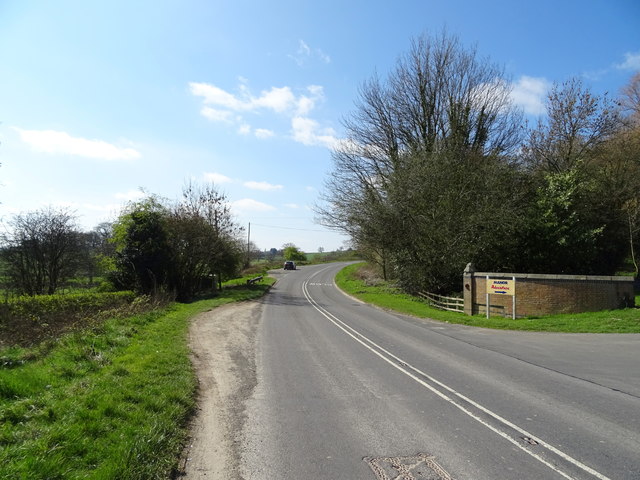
{"x": 501, "y": 286}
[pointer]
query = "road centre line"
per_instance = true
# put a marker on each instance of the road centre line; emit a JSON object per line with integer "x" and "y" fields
{"x": 407, "y": 369}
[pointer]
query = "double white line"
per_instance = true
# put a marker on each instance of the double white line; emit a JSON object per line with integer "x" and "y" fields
{"x": 501, "y": 426}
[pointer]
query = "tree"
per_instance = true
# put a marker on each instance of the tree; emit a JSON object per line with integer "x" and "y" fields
{"x": 441, "y": 114}
{"x": 204, "y": 239}
{"x": 291, "y": 252}
{"x": 39, "y": 250}
{"x": 272, "y": 253}
{"x": 566, "y": 233}
{"x": 630, "y": 99}
{"x": 618, "y": 165}
{"x": 177, "y": 247}
{"x": 582, "y": 171}
{"x": 451, "y": 216}
{"x": 142, "y": 256}
{"x": 577, "y": 124}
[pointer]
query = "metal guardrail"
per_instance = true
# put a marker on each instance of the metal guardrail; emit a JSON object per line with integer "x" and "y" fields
{"x": 453, "y": 304}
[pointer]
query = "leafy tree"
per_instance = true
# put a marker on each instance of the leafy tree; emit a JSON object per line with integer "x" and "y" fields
{"x": 94, "y": 256}
{"x": 291, "y": 252}
{"x": 451, "y": 216}
{"x": 39, "y": 250}
{"x": 582, "y": 182}
{"x": 142, "y": 257}
{"x": 272, "y": 253}
{"x": 567, "y": 232}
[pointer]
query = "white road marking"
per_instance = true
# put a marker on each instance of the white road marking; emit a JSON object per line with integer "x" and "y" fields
{"x": 406, "y": 368}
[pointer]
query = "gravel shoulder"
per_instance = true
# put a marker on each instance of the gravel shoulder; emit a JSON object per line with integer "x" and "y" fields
{"x": 223, "y": 344}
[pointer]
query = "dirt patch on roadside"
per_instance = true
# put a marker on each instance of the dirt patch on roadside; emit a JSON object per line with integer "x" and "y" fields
{"x": 223, "y": 343}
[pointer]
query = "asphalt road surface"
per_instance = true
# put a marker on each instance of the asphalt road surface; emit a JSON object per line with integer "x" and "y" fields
{"x": 348, "y": 391}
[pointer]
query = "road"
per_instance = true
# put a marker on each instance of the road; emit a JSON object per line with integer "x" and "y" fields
{"x": 344, "y": 390}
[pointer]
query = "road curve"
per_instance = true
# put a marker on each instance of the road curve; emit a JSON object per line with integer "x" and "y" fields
{"x": 348, "y": 391}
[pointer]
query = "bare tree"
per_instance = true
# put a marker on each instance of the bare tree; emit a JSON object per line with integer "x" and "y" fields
{"x": 630, "y": 99}
{"x": 38, "y": 250}
{"x": 577, "y": 124}
{"x": 204, "y": 238}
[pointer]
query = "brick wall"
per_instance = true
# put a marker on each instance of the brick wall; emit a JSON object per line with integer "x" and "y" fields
{"x": 537, "y": 294}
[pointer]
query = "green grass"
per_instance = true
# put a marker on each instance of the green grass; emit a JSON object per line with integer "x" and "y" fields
{"x": 386, "y": 296}
{"x": 107, "y": 403}
{"x": 242, "y": 281}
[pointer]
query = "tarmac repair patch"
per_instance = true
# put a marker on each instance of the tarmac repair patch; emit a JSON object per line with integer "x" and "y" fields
{"x": 417, "y": 467}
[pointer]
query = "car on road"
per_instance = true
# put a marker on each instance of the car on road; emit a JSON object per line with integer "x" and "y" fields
{"x": 289, "y": 265}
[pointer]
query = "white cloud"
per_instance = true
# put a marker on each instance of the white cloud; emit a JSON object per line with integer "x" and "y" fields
{"x": 305, "y": 104}
{"x": 529, "y": 93}
{"x": 264, "y": 186}
{"x": 308, "y": 132}
{"x": 55, "y": 142}
{"x": 291, "y": 205}
{"x": 217, "y": 115}
{"x": 130, "y": 195}
{"x": 263, "y": 133}
{"x": 216, "y": 96}
{"x": 278, "y": 99}
{"x": 222, "y": 106}
{"x": 303, "y": 48}
{"x": 305, "y": 54}
{"x": 250, "y": 205}
{"x": 631, "y": 62}
{"x": 316, "y": 90}
{"x": 216, "y": 178}
{"x": 323, "y": 56}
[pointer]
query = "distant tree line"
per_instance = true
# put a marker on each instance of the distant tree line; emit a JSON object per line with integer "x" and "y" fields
{"x": 154, "y": 246}
{"x": 439, "y": 169}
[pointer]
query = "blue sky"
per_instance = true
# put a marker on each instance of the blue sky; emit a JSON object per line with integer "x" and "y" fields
{"x": 99, "y": 99}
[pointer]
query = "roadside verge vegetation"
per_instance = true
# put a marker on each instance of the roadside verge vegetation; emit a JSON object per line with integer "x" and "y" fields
{"x": 110, "y": 401}
{"x": 358, "y": 281}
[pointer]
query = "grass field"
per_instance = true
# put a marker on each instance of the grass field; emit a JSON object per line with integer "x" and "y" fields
{"x": 385, "y": 296}
{"x": 111, "y": 402}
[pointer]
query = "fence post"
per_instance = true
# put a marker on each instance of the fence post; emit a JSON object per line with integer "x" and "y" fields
{"x": 468, "y": 283}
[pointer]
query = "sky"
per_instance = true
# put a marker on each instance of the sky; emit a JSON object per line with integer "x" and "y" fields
{"x": 104, "y": 101}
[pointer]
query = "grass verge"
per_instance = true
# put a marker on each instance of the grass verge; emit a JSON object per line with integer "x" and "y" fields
{"x": 111, "y": 402}
{"x": 383, "y": 295}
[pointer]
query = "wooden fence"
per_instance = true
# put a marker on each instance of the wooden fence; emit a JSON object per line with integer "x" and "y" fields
{"x": 453, "y": 304}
